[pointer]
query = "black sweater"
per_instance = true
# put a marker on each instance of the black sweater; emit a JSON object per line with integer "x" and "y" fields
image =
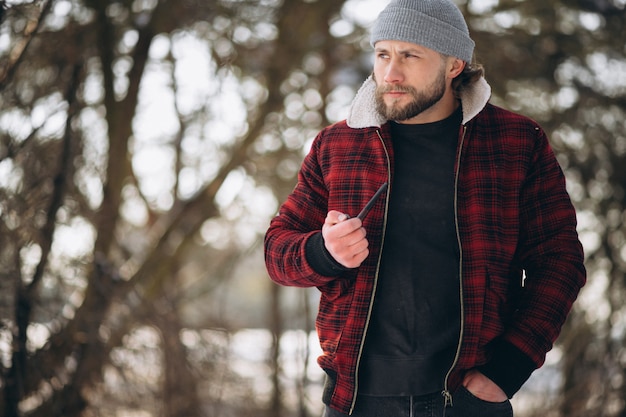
{"x": 415, "y": 324}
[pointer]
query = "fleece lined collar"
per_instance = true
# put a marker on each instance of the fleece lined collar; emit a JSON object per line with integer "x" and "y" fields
{"x": 363, "y": 111}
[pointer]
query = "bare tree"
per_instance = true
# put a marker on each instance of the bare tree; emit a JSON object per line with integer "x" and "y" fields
{"x": 85, "y": 64}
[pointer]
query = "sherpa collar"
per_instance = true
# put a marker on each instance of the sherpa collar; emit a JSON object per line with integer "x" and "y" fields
{"x": 363, "y": 109}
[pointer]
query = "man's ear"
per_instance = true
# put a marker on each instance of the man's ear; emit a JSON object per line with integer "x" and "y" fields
{"x": 455, "y": 67}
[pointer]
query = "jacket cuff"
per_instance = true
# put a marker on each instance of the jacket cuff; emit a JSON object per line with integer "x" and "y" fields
{"x": 320, "y": 259}
{"x": 509, "y": 367}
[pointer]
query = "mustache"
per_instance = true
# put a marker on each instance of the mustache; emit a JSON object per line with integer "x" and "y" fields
{"x": 382, "y": 89}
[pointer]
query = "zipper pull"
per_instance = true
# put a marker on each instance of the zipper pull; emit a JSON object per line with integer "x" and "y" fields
{"x": 447, "y": 398}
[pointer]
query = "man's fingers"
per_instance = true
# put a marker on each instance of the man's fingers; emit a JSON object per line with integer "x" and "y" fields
{"x": 344, "y": 238}
{"x": 333, "y": 217}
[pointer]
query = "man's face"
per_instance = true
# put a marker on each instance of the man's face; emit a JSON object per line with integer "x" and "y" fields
{"x": 411, "y": 81}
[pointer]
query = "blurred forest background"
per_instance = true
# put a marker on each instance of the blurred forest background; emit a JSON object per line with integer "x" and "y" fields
{"x": 145, "y": 145}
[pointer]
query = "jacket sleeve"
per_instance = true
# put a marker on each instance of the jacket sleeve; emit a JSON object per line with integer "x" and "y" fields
{"x": 294, "y": 250}
{"x": 551, "y": 256}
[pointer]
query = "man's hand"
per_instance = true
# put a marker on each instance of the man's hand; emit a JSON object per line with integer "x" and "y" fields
{"x": 344, "y": 238}
{"x": 484, "y": 388}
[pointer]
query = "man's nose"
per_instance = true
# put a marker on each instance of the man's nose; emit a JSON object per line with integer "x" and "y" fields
{"x": 393, "y": 73}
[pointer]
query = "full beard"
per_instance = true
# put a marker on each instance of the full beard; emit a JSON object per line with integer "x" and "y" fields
{"x": 420, "y": 101}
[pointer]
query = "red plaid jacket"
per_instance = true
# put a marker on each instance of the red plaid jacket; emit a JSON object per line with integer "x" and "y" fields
{"x": 513, "y": 215}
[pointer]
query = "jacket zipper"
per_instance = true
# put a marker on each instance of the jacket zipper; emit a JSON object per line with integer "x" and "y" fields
{"x": 446, "y": 390}
{"x": 369, "y": 311}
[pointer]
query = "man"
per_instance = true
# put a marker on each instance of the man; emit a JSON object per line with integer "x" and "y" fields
{"x": 448, "y": 294}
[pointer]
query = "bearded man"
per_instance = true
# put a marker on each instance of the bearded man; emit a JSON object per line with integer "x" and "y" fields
{"x": 446, "y": 297}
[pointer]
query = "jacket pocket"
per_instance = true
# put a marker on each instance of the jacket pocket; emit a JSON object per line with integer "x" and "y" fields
{"x": 334, "y": 308}
{"x": 501, "y": 290}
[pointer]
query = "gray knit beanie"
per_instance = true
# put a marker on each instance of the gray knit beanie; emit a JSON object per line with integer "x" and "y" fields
{"x": 435, "y": 24}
